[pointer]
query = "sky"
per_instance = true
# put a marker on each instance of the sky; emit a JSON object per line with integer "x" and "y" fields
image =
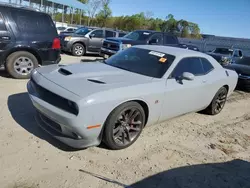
{"x": 218, "y": 17}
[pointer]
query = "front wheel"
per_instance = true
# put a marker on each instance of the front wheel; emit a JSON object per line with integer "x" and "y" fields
{"x": 78, "y": 50}
{"x": 124, "y": 125}
{"x": 218, "y": 102}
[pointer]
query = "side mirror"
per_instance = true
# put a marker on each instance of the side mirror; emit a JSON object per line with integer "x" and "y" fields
{"x": 91, "y": 35}
{"x": 153, "y": 41}
{"x": 188, "y": 76}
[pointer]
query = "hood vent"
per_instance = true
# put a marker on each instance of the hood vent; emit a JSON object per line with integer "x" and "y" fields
{"x": 96, "y": 81}
{"x": 64, "y": 72}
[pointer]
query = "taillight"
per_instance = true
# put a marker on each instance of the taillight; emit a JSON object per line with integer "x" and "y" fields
{"x": 56, "y": 44}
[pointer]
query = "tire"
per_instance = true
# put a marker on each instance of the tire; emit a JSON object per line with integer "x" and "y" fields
{"x": 135, "y": 130}
{"x": 213, "y": 108}
{"x": 78, "y": 50}
{"x": 20, "y": 64}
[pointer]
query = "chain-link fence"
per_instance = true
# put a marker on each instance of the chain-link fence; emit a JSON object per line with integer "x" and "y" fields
{"x": 212, "y": 42}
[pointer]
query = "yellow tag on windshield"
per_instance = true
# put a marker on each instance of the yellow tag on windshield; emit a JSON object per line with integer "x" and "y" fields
{"x": 163, "y": 60}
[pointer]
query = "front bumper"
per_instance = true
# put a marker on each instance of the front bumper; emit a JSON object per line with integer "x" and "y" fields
{"x": 65, "y": 127}
{"x": 244, "y": 82}
{"x": 105, "y": 51}
{"x": 66, "y": 46}
{"x": 63, "y": 134}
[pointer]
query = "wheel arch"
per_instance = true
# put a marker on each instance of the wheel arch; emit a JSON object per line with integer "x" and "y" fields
{"x": 30, "y": 50}
{"x": 141, "y": 102}
{"x": 80, "y": 42}
{"x": 226, "y": 86}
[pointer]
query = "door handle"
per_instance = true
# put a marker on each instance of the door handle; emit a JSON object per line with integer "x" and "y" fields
{"x": 204, "y": 81}
{"x": 5, "y": 38}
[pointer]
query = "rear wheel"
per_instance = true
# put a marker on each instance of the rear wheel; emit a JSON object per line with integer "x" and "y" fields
{"x": 78, "y": 49}
{"x": 124, "y": 125}
{"x": 20, "y": 64}
{"x": 218, "y": 102}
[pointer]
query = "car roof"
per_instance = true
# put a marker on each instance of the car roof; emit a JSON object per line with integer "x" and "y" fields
{"x": 178, "y": 52}
{"x": 14, "y": 6}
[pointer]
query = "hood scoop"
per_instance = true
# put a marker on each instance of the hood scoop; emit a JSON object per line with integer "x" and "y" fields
{"x": 96, "y": 81}
{"x": 64, "y": 72}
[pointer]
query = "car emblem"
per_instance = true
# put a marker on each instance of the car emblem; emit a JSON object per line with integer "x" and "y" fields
{"x": 108, "y": 45}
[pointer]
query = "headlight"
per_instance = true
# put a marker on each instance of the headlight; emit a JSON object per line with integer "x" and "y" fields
{"x": 67, "y": 38}
{"x": 125, "y": 46}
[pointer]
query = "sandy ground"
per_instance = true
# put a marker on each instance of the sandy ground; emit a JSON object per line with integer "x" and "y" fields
{"x": 181, "y": 152}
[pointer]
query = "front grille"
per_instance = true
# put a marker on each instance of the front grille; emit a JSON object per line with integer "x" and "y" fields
{"x": 111, "y": 46}
{"x": 53, "y": 98}
{"x": 50, "y": 123}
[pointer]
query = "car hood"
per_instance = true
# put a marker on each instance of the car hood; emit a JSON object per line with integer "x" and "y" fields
{"x": 217, "y": 54}
{"x": 88, "y": 78}
{"x": 125, "y": 40}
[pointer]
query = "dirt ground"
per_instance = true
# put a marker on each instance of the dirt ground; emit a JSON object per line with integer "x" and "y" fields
{"x": 194, "y": 150}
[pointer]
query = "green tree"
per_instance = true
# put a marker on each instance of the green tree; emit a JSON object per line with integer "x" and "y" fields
{"x": 104, "y": 14}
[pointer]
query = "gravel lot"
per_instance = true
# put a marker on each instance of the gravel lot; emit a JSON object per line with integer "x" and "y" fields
{"x": 31, "y": 158}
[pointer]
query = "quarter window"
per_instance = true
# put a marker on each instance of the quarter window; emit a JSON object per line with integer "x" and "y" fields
{"x": 33, "y": 22}
{"x": 2, "y": 24}
{"x": 207, "y": 66}
{"x": 109, "y": 34}
{"x": 192, "y": 65}
{"x": 170, "y": 39}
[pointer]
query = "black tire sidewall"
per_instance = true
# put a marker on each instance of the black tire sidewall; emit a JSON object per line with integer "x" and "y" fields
{"x": 12, "y": 58}
{"x": 213, "y": 112}
{"x": 73, "y": 49}
{"x": 108, "y": 129}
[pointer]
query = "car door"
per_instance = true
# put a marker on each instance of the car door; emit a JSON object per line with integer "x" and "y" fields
{"x": 6, "y": 36}
{"x": 210, "y": 81}
{"x": 95, "y": 40}
{"x": 184, "y": 96}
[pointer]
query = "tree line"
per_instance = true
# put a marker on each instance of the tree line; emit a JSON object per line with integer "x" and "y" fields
{"x": 98, "y": 13}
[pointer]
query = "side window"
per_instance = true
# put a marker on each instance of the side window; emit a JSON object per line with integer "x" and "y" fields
{"x": 240, "y": 53}
{"x": 2, "y": 24}
{"x": 236, "y": 53}
{"x": 70, "y": 29}
{"x": 157, "y": 36}
{"x": 33, "y": 22}
{"x": 207, "y": 66}
{"x": 192, "y": 65}
{"x": 97, "y": 34}
{"x": 109, "y": 34}
{"x": 168, "y": 39}
{"x": 122, "y": 34}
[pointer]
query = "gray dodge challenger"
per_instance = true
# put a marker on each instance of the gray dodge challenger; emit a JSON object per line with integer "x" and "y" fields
{"x": 113, "y": 100}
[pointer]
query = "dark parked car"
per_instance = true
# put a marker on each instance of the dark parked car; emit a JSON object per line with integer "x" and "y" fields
{"x": 112, "y": 45}
{"x": 28, "y": 38}
{"x": 85, "y": 41}
{"x": 242, "y": 67}
{"x": 226, "y": 55}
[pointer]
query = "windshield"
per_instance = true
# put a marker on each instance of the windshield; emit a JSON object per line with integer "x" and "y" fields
{"x": 224, "y": 51}
{"x": 142, "y": 61}
{"x": 138, "y": 35}
{"x": 82, "y": 31}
